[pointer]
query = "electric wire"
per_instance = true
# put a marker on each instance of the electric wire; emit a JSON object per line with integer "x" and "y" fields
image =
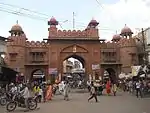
{"x": 37, "y": 17}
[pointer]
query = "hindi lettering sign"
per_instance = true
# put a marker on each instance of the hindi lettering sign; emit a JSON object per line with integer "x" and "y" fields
{"x": 53, "y": 71}
{"x": 95, "y": 66}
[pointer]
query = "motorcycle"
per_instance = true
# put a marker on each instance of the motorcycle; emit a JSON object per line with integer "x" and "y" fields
{"x": 6, "y": 97}
{"x": 3, "y": 100}
{"x": 20, "y": 101}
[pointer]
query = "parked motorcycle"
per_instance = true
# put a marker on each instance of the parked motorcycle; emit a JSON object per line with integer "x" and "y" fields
{"x": 19, "y": 101}
{"x": 3, "y": 101}
{"x": 4, "y": 98}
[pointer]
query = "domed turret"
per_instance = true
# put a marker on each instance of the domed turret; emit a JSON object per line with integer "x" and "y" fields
{"x": 93, "y": 23}
{"x": 16, "y": 27}
{"x": 53, "y": 21}
{"x": 16, "y": 30}
{"x": 116, "y": 37}
{"x": 126, "y": 31}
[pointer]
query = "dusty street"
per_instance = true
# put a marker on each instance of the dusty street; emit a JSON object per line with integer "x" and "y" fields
{"x": 122, "y": 103}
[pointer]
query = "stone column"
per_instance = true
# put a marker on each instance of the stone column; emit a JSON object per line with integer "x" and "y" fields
{"x": 149, "y": 57}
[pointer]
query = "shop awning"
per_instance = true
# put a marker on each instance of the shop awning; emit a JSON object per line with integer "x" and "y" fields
{"x": 8, "y": 74}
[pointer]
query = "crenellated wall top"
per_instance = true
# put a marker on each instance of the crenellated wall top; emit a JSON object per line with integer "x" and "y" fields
{"x": 124, "y": 42}
{"x": 36, "y": 44}
{"x": 19, "y": 40}
{"x": 74, "y": 33}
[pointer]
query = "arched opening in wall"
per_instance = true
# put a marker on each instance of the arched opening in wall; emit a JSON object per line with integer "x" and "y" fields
{"x": 38, "y": 76}
{"x": 74, "y": 69}
{"x": 110, "y": 74}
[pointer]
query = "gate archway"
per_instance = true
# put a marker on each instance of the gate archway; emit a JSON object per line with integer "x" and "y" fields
{"x": 38, "y": 75}
{"x": 78, "y": 57}
{"x": 111, "y": 74}
{"x": 85, "y": 51}
{"x": 78, "y": 66}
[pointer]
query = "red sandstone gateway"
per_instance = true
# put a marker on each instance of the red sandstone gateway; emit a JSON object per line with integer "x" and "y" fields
{"x": 86, "y": 46}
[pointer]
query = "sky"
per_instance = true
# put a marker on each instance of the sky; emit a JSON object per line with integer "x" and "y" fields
{"x": 112, "y": 15}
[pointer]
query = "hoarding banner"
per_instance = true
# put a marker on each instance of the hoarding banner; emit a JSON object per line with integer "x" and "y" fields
{"x": 95, "y": 66}
{"x": 135, "y": 70}
{"x": 53, "y": 71}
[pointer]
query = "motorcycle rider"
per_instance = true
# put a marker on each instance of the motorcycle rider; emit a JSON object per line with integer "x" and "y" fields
{"x": 13, "y": 90}
{"x": 26, "y": 94}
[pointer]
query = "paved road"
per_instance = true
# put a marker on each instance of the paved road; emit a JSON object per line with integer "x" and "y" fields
{"x": 123, "y": 103}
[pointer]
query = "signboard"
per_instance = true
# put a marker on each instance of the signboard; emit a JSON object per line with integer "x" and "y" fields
{"x": 148, "y": 36}
{"x": 135, "y": 70}
{"x": 90, "y": 77}
{"x": 95, "y": 66}
{"x": 0, "y": 69}
{"x": 52, "y": 71}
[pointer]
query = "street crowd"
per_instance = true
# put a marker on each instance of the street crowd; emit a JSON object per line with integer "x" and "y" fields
{"x": 44, "y": 92}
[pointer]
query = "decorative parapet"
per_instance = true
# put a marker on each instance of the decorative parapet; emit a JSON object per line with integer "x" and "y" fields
{"x": 124, "y": 42}
{"x": 89, "y": 33}
{"x": 36, "y": 44}
{"x": 19, "y": 40}
{"x": 109, "y": 45}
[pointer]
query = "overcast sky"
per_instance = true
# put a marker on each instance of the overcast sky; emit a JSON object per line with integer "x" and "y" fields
{"x": 112, "y": 15}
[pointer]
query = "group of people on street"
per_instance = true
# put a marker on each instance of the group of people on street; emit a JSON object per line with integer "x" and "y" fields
{"x": 139, "y": 87}
{"x": 45, "y": 91}
{"x": 13, "y": 89}
{"x": 110, "y": 87}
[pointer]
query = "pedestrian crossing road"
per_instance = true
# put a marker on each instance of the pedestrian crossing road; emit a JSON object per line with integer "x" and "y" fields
{"x": 122, "y": 103}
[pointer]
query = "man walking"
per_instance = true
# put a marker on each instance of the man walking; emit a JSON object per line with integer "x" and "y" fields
{"x": 66, "y": 90}
{"x": 93, "y": 93}
{"x": 138, "y": 89}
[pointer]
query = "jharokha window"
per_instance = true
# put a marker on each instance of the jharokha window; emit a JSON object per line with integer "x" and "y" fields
{"x": 13, "y": 56}
{"x": 37, "y": 56}
{"x": 109, "y": 56}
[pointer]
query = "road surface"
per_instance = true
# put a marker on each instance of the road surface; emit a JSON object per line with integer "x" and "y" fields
{"x": 122, "y": 103}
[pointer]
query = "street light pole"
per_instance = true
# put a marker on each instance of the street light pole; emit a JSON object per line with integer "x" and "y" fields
{"x": 144, "y": 48}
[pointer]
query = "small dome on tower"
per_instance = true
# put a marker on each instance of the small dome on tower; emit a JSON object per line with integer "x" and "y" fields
{"x": 16, "y": 30}
{"x": 126, "y": 31}
{"x": 52, "y": 21}
{"x": 116, "y": 37}
{"x": 93, "y": 22}
{"x": 16, "y": 27}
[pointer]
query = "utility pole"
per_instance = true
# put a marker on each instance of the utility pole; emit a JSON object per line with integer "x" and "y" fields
{"x": 144, "y": 48}
{"x": 73, "y": 21}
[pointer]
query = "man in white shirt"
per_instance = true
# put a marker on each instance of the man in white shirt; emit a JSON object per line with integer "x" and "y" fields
{"x": 26, "y": 94}
{"x": 89, "y": 85}
{"x": 130, "y": 86}
{"x": 61, "y": 87}
{"x": 93, "y": 93}
{"x": 13, "y": 89}
{"x": 66, "y": 90}
{"x": 138, "y": 89}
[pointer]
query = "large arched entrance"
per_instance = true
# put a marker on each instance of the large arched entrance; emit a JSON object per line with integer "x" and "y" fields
{"x": 74, "y": 65}
{"x": 38, "y": 76}
{"x": 83, "y": 50}
{"x": 110, "y": 73}
{"x": 74, "y": 70}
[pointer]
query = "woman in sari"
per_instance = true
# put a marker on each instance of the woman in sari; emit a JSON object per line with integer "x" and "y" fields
{"x": 49, "y": 92}
{"x": 108, "y": 87}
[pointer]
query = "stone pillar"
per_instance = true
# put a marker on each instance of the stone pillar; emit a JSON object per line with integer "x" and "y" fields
{"x": 148, "y": 57}
{"x": 90, "y": 77}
